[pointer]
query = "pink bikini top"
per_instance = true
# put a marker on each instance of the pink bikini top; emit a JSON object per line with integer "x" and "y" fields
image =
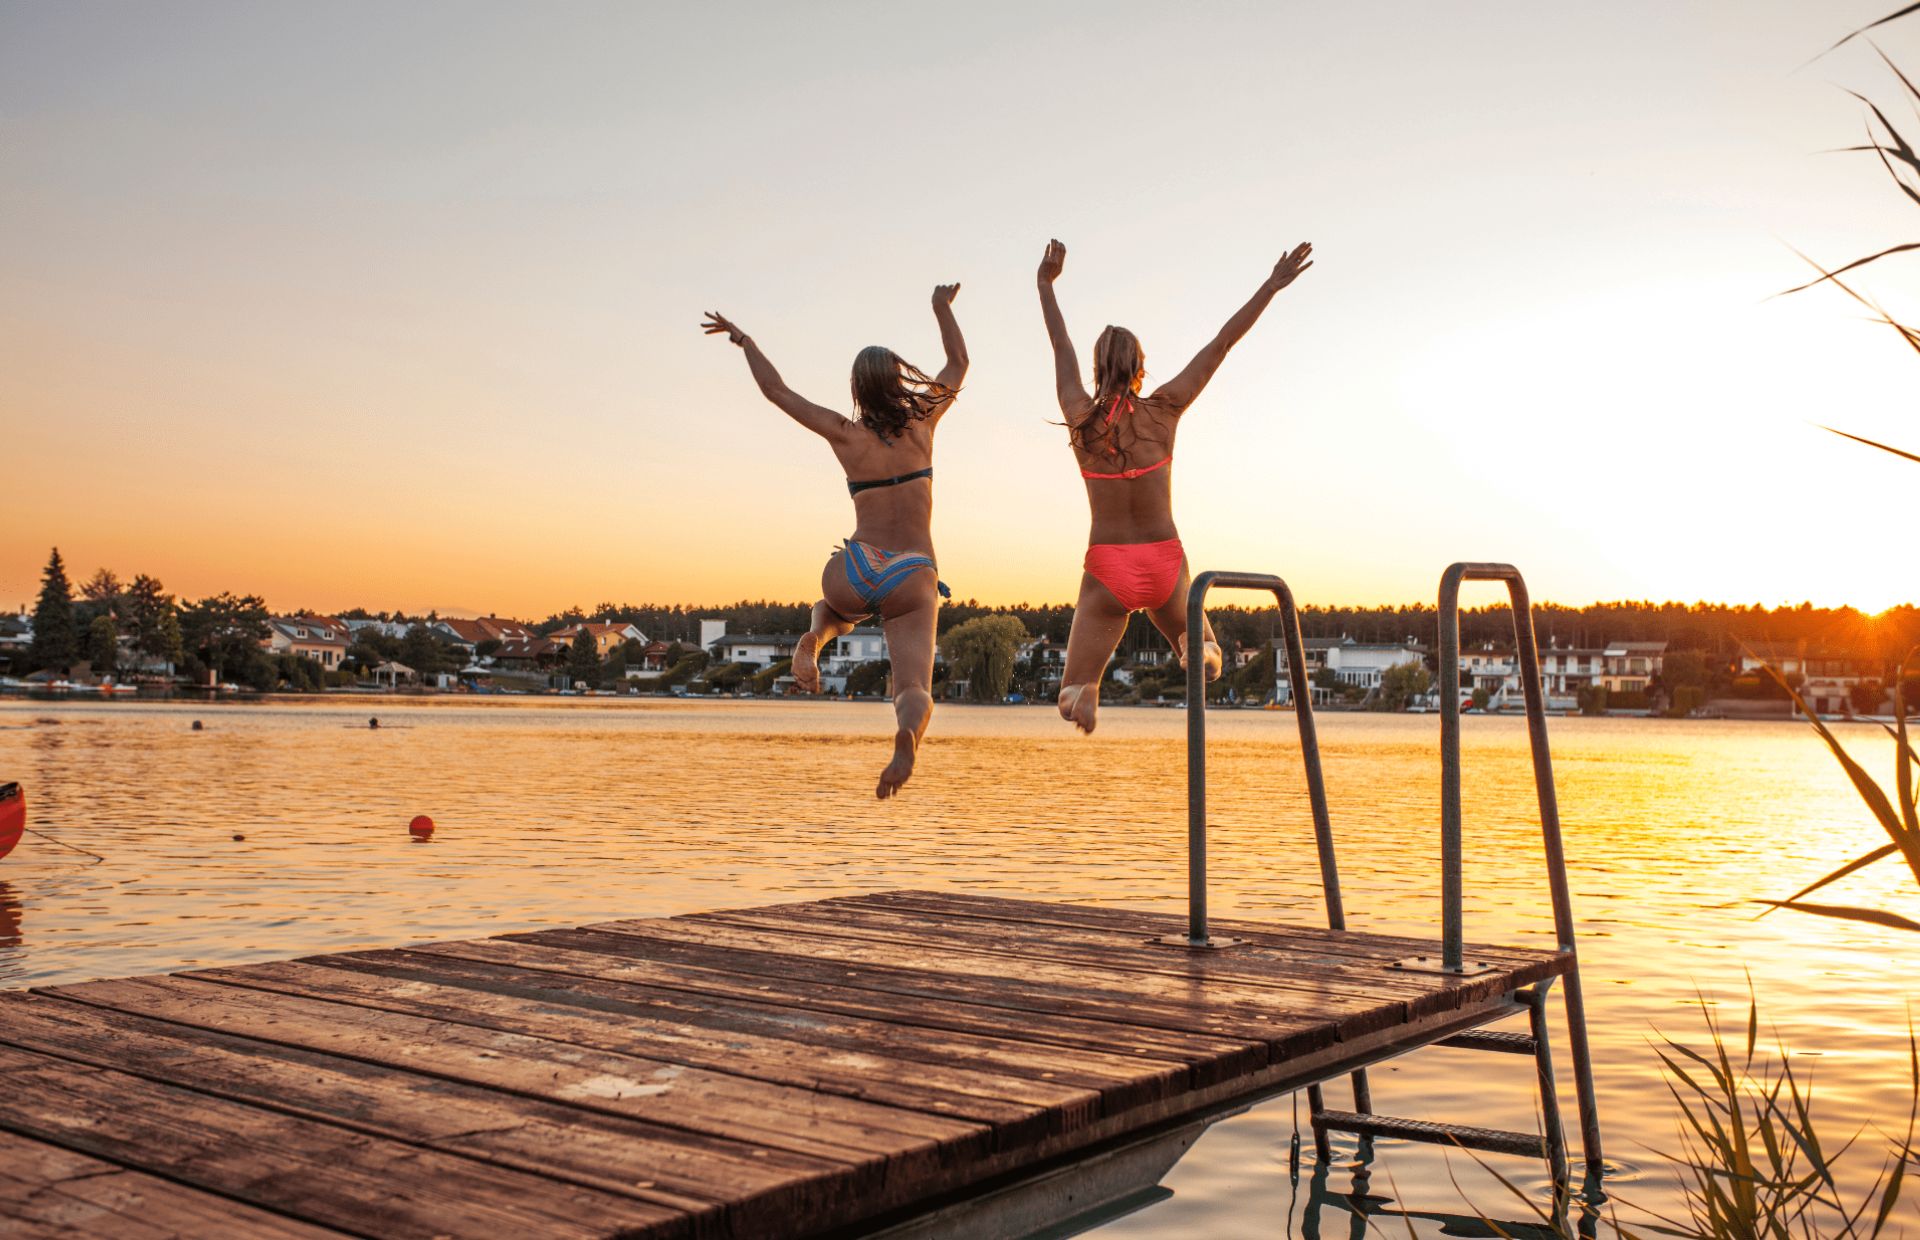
{"x": 1113, "y": 411}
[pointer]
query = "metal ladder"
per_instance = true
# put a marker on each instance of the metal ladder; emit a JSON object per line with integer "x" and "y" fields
{"x": 1551, "y": 1145}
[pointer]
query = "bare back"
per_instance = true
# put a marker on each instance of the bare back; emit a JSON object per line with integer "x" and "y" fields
{"x": 1139, "y": 509}
{"x": 898, "y": 517}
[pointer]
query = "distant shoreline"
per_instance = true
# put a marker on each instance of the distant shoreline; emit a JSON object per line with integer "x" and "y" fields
{"x": 206, "y": 697}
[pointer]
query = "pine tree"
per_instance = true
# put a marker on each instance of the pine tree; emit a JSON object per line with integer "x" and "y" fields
{"x": 103, "y": 588}
{"x": 56, "y": 644}
{"x": 584, "y": 660}
{"x": 154, "y": 620}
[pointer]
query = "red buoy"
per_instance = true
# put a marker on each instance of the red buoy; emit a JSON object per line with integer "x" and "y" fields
{"x": 421, "y": 827}
{"x": 13, "y": 816}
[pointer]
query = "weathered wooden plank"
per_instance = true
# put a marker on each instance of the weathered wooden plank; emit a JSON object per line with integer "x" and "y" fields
{"x": 1108, "y": 948}
{"x": 1224, "y": 1008}
{"x": 48, "y": 1192}
{"x": 757, "y": 1188}
{"x": 801, "y": 1120}
{"x": 1360, "y": 955}
{"x": 624, "y": 958}
{"x": 1251, "y": 964}
{"x": 1120, "y": 1080}
{"x": 1015, "y": 992}
{"x": 964, "y": 1093}
{"x": 1363, "y": 943}
{"x": 726, "y": 1003}
{"x": 309, "y": 1170}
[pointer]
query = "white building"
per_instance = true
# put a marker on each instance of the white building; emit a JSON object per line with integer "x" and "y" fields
{"x": 1565, "y": 671}
{"x": 1825, "y": 680}
{"x": 322, "y": 639}
{"x": 1048, "y": 661}
{"x": 1631, "y": 666}
{"x": 1620, "y": 667}
{"x": 866, "y": 644}
{"x": 386, "y": 628}
{"x": 754, "y": 649}
{"x": 1351, "y": 662}
{"x": 1495, "y": 670}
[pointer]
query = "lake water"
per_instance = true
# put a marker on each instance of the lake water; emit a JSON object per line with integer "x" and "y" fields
{"x": 559, "y": 813}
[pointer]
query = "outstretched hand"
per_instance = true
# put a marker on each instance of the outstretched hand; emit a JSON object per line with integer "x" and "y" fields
{"x": 1291, "y": 264}
{"x": 717, "y": 323}
{"x": 943, "y": 294}
{"x": 1053, "y": 261}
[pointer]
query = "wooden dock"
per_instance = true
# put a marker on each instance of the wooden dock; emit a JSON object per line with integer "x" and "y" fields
{"x": 903, "y": 1063}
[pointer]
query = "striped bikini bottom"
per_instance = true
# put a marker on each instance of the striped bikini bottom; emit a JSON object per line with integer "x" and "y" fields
{"x": 874, "y": 573}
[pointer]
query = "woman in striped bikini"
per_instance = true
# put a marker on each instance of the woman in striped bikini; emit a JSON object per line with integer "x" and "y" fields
{"x": 1124, "y": 443}
{"x": 887, "y": 566}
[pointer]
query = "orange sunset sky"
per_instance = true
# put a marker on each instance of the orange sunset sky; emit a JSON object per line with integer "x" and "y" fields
{"x": 395, "y": 305}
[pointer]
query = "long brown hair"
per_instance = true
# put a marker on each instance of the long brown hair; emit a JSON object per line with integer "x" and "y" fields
{"x": 1118, "y": 363}
{"x": 889, "y": 392}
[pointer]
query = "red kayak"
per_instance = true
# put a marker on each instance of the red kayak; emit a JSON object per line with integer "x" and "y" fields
{"x": 13, "y": 816}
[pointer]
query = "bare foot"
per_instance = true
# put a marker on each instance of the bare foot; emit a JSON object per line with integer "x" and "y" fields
{"x": 900, "y": 770}
{"x": 1080, "y": 706}
{"x": 1210, "y": 658}
{"x": 806, "y": 663}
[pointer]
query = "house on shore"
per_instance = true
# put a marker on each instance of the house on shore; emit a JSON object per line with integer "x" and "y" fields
{"x": 395, "y": 629}
{"x": 320, "y": 638}
{"x": 1344, "y": 659}
{"x": 865, "y": 644}
{"x": 1632, "y": 666}
{"x": 530, "y": 654}
{"x": 1565, "y": 671}
{"x": 1824, "y": 678}
{"x": 470, "y": 634}
{"x": 607, "y": 638}
{"x": 16, "y": 638}
{"x": 1046, "y": 659}
{"x": 755, "y": 650}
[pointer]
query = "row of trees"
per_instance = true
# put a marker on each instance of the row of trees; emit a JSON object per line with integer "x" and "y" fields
{"x": 222, "y": 634}
{"x": 219, "y": 635}
{"x": 67, "y": 632}
{"x": 1717, "y": 630}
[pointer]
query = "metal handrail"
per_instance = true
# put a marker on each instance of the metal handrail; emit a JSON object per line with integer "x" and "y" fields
{"x": 1452, "y": 919}
{"x": 1197, "y": 748}
{"x": 1197, "y": 937}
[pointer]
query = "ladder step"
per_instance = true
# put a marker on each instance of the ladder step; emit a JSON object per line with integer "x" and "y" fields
{"x": 1494, "y": 1140}
{"x": 1488, "y": 1040}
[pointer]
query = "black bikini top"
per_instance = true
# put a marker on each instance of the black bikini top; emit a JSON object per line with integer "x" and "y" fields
{"x": 854, "y": 488}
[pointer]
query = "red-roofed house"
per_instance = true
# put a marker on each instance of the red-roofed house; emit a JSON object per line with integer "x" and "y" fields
{"x": 607, "y": 638}
{"x": 470, "y": 633}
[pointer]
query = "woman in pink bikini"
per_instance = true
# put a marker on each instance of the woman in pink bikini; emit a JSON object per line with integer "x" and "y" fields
{"x": 887, "y": 567}
{"x": 1124, "y": 443}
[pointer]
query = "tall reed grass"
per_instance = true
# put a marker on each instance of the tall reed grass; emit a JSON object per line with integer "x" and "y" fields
{"x": 1898, "y": 814}
{"x": 1898, "y": 156}
{"x": 1753, "y": 1162}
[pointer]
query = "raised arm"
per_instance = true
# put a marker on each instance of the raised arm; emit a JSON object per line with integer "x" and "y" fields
{"x": 1066, "y": 365}
{"x": 819, "y": 419}
{"x": 1181, "y": 390}
{"x": 950, "y": 339}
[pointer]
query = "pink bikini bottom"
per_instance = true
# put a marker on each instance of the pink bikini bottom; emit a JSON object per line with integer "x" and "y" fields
{"x": 1140, "y": 575}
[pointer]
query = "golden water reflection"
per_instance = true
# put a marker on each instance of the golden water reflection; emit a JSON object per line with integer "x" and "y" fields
{"x": 561, "y": 813}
